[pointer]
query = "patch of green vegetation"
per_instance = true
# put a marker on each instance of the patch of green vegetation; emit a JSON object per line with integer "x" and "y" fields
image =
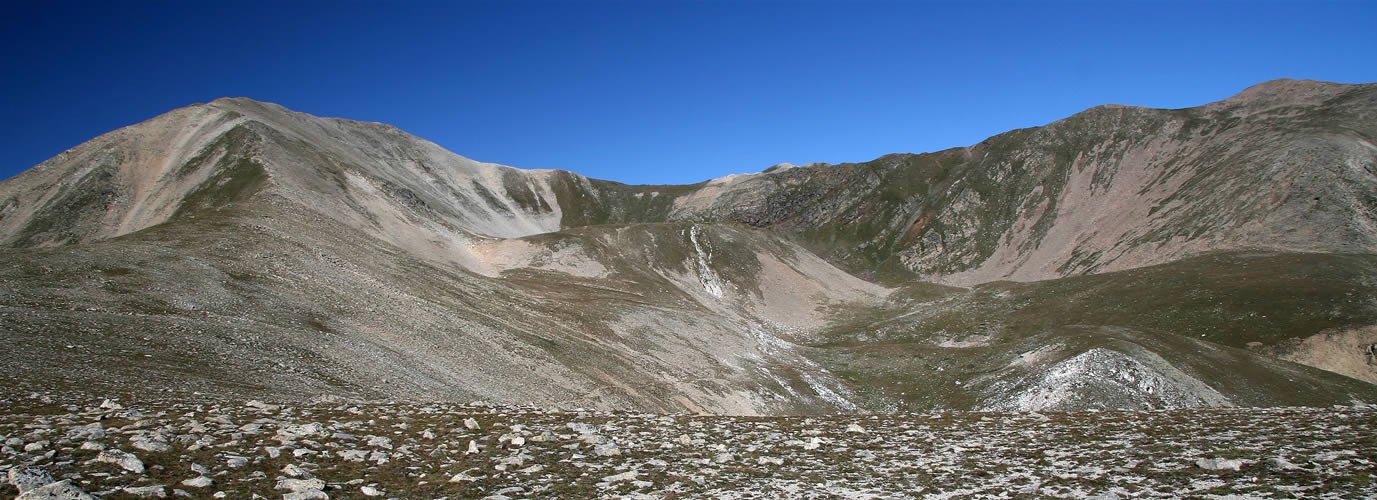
{"x": 232, "y": 183}
{"x": 117, "y": 271}
{"x": 518, "y": 188}
{"x": 1229, "y": 298}
{"x": 959, "y": 201}
{"x": 903, "y": 376}
{"x": 891, "y": 353}
{"x": 488, "y": 197}
{"x": 588, "y": 202}
{"x": 318, "y": 325}
{"x": 237, "y": 141}
{"x": 404, "y": 196}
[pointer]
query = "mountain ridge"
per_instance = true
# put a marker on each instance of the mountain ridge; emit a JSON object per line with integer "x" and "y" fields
{"x": 343, "y": 257}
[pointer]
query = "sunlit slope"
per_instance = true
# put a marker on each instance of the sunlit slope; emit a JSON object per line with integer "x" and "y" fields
{"x": 1123, "y": 257}
{"x": 1192, "y": 332}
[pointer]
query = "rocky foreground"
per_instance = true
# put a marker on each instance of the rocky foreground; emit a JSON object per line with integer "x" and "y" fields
{"x": 57, "y": 446}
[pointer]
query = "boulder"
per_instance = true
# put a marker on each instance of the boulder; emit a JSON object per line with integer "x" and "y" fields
{"x": 126, "y": 461}
{"x": 29, "y": 478}
{"x": 61, "y": 490}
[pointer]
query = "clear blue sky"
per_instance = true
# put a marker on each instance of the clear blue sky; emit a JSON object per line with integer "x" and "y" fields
{"x": 658, "y": 91}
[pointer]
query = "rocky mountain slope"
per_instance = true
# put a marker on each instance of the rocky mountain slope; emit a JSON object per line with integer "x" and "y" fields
{"x": 1284, "y": 166}
{"x": 1123, "y": 257}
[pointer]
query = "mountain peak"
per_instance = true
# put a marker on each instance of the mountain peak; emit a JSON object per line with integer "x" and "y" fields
{"x": 247, "y": 105}
{"x": 235, "y": 100}
{"x": 1288, "y": 91}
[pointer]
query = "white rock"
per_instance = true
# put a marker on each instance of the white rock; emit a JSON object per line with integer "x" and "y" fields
{"x": 517, "y": 460}
{"x": 543, "y": 437}
{"x": 262, "y": 406}
{"x": 581, "y": 428}
{"x": 370, "y": 491}
{"x": 300, "y": 431}
{"x": 1281, "y": 463}
{"x": 146, "y": 443}
{"x": 124, "y": 460}
{"x": 855, "y": 428}
{"x": 290, "y": 484}
{"x": 28, "y": 478}
{"x": 198, "y": 482}
{"x": 473, "y": 448}
{"x": 293, "y": 470}
{"x": 463, "y": 477}
{"x": 61, "y": 490}
{"x": 86, "y": 432}
{"x": 1219, "y": 464}
{"x": 471, "y": 424}
{"x": 380, "y": 442}
{"x": 625, "y": 476}
{"x": 154, "y": 491}
{"x": 306, "y": 495}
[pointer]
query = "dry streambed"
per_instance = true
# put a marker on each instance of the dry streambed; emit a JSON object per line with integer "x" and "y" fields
{"x": 65, "y": 447}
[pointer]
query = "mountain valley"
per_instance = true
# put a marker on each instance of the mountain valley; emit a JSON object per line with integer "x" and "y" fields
{"x": 1122, "y": 258}
{"x": 235, "y": 300}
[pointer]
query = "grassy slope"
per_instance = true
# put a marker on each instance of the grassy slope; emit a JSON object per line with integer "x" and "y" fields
{"x": 1227, "y": 300}
{"x": 906, "y": 215}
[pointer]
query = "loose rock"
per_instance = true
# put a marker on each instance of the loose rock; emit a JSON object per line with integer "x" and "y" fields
{"x": 61, "y": 490}
{"x": 28, "y": 478}
{"x": 154, "y": 491}
{"x": 124, "y": 460}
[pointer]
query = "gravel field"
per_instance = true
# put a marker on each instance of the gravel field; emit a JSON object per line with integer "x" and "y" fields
{"x": 342, "y": 449}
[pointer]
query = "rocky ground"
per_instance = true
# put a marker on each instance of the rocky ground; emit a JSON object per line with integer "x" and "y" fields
{"x": 65, "y": 446}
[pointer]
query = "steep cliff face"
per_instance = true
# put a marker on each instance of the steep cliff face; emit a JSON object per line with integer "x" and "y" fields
{"x": 239, "y": 247}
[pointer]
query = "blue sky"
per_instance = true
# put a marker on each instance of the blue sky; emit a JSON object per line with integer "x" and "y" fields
{"x": 660, "y": 91}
